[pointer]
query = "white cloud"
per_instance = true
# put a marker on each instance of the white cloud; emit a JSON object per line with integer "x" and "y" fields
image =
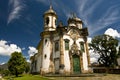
{"x": 6, "y": 49}
{"x": 23, "y": 48}
{"x": 86, "y": 11}
{"x": 28, "y": 60}
{"x": 112, "y": 32}
{"x": 15, "y": 8}
{"x": 93, "y": 56}
{"x": 89, "y": 39}
{"x": 58, "y": 5}
{"x": 2, "y": 63}
{"x": 111, "y": 16}
{"x": 32, "y": 51}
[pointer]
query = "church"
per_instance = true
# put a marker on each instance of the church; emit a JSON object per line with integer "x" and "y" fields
{"x": 62, "y": 49}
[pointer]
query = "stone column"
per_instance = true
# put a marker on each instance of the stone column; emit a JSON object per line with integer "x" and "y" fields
{"x": 81, "y": 62}
{"x": 51, "y": 67}
{"x": 61, "y": 56}
{"x": 87, "y": 50}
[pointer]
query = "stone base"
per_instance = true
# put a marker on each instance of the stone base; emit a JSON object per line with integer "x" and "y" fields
{"x": 75, "y": 75}
{"x": 61, "y": 71}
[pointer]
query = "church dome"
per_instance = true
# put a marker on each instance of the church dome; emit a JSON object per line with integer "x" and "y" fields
{"x": 74, "y": 18}
{"x": 77, "y": 19}
{"x": 50, "y": 11}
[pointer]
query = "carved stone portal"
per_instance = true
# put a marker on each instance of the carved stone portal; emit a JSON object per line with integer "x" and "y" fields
{"x": 75, "y": 59}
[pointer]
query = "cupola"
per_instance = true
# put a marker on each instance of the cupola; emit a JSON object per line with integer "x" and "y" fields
{"x": 75, "y": 21}
{"x": 50, "y": 19}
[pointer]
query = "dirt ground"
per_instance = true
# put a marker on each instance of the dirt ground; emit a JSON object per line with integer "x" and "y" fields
{"x": 106, "y": 77}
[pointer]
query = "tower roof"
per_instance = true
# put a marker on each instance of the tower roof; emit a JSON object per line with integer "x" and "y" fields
{"x": 50, "y": 11}
{"x": 74, "y": 18}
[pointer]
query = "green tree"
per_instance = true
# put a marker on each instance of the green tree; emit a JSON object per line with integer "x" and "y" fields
{"x": 119, "y": 52}
{"x": 17, "y": 64}
{"x": 27, "y": 69}
{"x": 105, "y": 46}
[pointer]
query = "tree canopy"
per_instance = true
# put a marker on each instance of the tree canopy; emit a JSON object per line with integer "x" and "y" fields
{"x": 105, "y": 46}
{"x": 17, "y": 63}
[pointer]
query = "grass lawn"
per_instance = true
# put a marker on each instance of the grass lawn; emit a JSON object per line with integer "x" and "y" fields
{"x": 27, "y": 77}
{"x": 38, "y": 77}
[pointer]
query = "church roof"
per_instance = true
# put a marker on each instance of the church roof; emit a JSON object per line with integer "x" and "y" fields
{"x": 77, "y": 19}
{"x": 50, "y": 11}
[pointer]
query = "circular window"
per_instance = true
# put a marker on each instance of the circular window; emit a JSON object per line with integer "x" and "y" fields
{"x": 45, "y": 56}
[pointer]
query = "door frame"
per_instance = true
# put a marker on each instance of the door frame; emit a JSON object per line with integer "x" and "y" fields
{"x": 71, "y": 54}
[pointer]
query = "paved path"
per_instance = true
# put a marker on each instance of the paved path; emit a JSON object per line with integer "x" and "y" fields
{"x": 107, "y": 77}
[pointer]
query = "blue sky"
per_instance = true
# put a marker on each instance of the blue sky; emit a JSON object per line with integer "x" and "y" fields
{"x": 21, "y": 21}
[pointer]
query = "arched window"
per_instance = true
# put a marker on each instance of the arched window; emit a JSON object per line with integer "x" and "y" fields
{"x": 82, "y": 46}
{"x": 55, "y": 22}
{"x": 66, "y": 44}
{"x": 45, "y": 41}
{"x": 56, "y": 46}
{"x": 47, "y": 20}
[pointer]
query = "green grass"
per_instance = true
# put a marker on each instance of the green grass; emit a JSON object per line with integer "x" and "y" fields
{"x": 26, "y": 77}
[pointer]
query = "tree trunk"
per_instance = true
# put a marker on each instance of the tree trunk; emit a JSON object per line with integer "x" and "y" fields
{"x": 16, "y": 73}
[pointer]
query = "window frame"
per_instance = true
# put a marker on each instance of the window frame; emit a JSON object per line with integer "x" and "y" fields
{"x": 82, "y": 46}
{"x": 56, "y": 46}
{"x": 47, "y": 20}
{"x": 66, "y": 43}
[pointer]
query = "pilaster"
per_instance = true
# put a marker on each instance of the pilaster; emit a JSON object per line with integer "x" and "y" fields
{"x": 51, "y": 67}
{"x": 61, "y": 56}
{"x": 87, "y": 51}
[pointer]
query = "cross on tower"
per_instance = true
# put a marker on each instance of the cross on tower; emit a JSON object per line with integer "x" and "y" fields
{"x": 50, "y": 3}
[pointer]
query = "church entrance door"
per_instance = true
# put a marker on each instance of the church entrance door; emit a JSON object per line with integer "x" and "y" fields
{"x": 76, "y": 64}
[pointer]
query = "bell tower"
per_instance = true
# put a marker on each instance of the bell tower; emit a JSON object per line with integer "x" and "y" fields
{"x": 74, "y": 21}
{"x": 50, "y": 19}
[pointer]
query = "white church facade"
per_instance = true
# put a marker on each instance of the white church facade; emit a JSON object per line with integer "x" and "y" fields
{"x": 62, "y": 49}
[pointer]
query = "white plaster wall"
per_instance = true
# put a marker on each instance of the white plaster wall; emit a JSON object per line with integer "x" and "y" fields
{"x": 66, "y": 53}
{"x": 78, "y": 42}
{"x": 38, "y": 63}
{"x": 85, "y": 62}
{"x": 66, "y": 61}
{"x": 72, "y": 24}
{"x": 79, "y": 26}
{"x": 54, "y": 24}
{"x": 46, "y": 50}
{"x": 51, "y": 29}
{"x": 52, "y": 21}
